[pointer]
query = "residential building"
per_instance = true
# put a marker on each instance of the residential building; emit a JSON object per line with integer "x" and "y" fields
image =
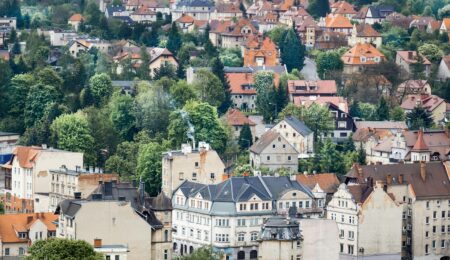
{"x": 260, "y": 52}
{"x": 228, "y": 215}
{"x": 118, "y": 252}
{"x": 406, "y": 59}
{"x": 317, "y": 235}
{"x": 330, "y": 40}
{"x": 230, "y": 34}
{"x": 8, "y": 22}
{"x": 423, "y": 193}
{"x": 19, "y": 231}
{"x": 185, "y": 23}
{"x": 201, "y": 164}
{"x": 374, "y": 14}
{"x": 28, "y": 170}
{"x": 445, "y": 25}
{"x": 226, "y": 11}
{"x": 115, "y": 209}
{"x": 307, "y": 29}
{"x": 364, "y": 33}
{"x": 198, "y": 9}
{"x": 236, "y": 120}
{"x": 75, "y": 20}
{"x": 323, "y": 185}
{"x": 8, "y": 142}
{"x": 432, "y": 103}
{"x": 337, "y": 23}
{"x": 422, "y": 23}
{"x": 444, "y": 68}
{"x": 357, "y": 209}
{"x": 280, "y": 238}
{"x": 360, "y": 57}
{"x": 274, "y": 152}
{"x": 413, "y": 87}
{"x": 297, "y": 134}
{"x": 297, "y": 88}
{"x": 343, "y": 8}
{"x": 78, "y": 45}
{"x": 292, "y": 14}
{"x": 143, "y": 15}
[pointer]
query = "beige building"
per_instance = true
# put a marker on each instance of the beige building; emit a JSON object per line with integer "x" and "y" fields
{"x": 274, "y": 152}
{"x": 297, "y": 134}
{"x": 357, "y": 209}
{"x": 406, "y": 59}
{"x": 423, "y": 192}
{"x": 364, "y": 33}
{"x": 200, "y": 164}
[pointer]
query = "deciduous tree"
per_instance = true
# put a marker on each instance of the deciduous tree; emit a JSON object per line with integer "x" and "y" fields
{"x": 64, "y": 249}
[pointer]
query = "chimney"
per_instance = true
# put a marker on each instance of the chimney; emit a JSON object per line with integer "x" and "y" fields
{"x": 389, "y": 179}
{"x": 29, "y": 219}
{"x": 423, "y": 172}
{"x": 97, "y": 243}
{"x": 44, "y": 146}
{"x": 400, "y": 179}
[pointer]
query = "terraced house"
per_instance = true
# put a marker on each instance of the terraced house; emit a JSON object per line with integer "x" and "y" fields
{"x": 229, "y": 215}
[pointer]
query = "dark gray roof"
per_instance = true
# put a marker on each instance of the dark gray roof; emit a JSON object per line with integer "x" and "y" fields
{"x": 266, "y": 139}
{"x": 298, "y": 125}
{"x": 196, "y": 3}
{"x": 280, "y": 228}
{"x": 69, "y": 207}
{"x": 381, "y": 11}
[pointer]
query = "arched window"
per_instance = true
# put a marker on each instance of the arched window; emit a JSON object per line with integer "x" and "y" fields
{"x": 241, "y": 255}
{"x": 174, "y": 246}
{"x": 253, "y": 254}
{"x": 191, "y": 249}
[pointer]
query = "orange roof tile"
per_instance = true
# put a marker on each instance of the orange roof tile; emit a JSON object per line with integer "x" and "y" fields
{"x": 343, "y": 7}
{"x": 366, "y": 30}
{"x": 76, "y": 18}
{"x": 26, "y": 155}
{"x": 411, "y": 57}
{"x": 327, "y": 181}
{"x": 238, "y": 80}
{"x": 362, "y": 50}
{"x": 185, "y": 19}
{"x": 10, "y": 223}
{"x": 337, "y": 21}
{"x": 446, "y": 23}
{"x": 420, "y": 143}
{"x": 235, "y": 117}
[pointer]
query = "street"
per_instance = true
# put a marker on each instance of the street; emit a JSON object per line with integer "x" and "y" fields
{"x": 310, "y": 70}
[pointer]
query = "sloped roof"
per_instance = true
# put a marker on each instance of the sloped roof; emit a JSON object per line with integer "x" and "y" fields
{"x": 360, "y": 192}
{"x": 315, "y": 87}
{"x": 366, "y": 30}
{"x": 328, "y": 182}
{"x": 429, "y": 102}
{"x": 76, "y": 18}
{"x": 185, "y": 18}
{"x": 195, "y": 3}
{"x": 298, "y": 125}
{"x": 366, "y": 50}
{"x": 266, "y": 139}
{"x": 446, "y": 22}
{"x": 343, "y": 7}
{"x": 381, "y": 124}
{"x": 337, "y": 21}
{"x": 26, "y": 155}
{"x": 235, "y": 117}
{"x": 381, "y": 11}
{"x": 10, "y": 223}
{"x": 238, "y": 80}
{"x": 411, "y": 57}
{"x": 420, "y": 144}
{"x": 306, "y": 101}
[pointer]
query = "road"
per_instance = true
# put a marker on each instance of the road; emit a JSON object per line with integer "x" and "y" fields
{"x": 310, "y": 70}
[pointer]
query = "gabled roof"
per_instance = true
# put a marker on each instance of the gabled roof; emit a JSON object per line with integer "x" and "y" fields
{"x": 381, "y": 124}
{"x": 76, "y": 18}
{"x": 298, "y": 125}
{"x": 26, "y": 155}
{"x": 266, "y": 139}
{"x": 360, "y": 192}
{"x": 306, "y": 101}
{"x": 185, "y": 18}
{"x": 366, "y": 30}
{"x": 195, "y": 3}
{"x": 446, "y": 23}
{"x": 380, "y": 11}
{"x": 366, "y": 50}
{"x": 316, "y": 87}
{"x": 10, "y": 224}
{"x": 328, "y": 182}
{"x": 411, "y": 57}
{"x": 343, "y": 7}
{"x": 337, "y": 21}
{"x": 235, "y": 117}
{"x": 429, "y": 102}
{"x": 446, "y": 61}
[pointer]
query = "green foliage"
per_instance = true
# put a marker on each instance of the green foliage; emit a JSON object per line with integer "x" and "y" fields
{"x": 63, "y": 249}
{"x": 123, "y": 114}
{"x": 245, "y": 137}
{"x": 431, "y": 51}
{"x": 217, "y": 68}
{"x": 328, "y": 61}
{"x": 243, "y": 170}
{"x": 181, "y": 93}
{"x": 382, "y": 110}
{"x": 71, "y": 132}
{"x": 277, "y": 34}
{"x": 397, "y": 114}
{"x": 231, "y": 57}
{"x": 101, "y": 88}
{"x": 149, "y": 166}
{"x": 202, "y": 253}
{"x": 319, "y": 8}
{"x": 265, "y": 91}
{"x": 209, "y": 88}
{"x": 2, "y": 208}
{"x": 364, "y": 111}
{"x": 37, "y": 99}
{"x": 292, "y": 51}
{"x": 174, "y": 41}
{"x": 205, "y": 123}
{"x": 419, "y": 118}
{"x": 165, "y": 70}
{"x": 330, "y": 160}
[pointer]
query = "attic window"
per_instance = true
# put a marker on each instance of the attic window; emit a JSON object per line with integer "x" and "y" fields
{"x": 22, "y": 235}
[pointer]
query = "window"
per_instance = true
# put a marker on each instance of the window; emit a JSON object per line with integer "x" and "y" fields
{"x": 434, "y": 214}
{"x": 241, "y": 222}
{"x": 342, "y": 248}
{"x": 199, "y": 234}
{"x": 427, "y": 220}
{"x": 443, "y": 229}
{"x": 21, "y": 251}
{"x": 206, "y": 236}
{"x": 427, "y": 250}
{"x": 427, "y": 234}
{"x": 342, "y": 218}
{"x": 183, "y": 231}
{"x": 166, "y": 235}
{"x": 448, "y": 229}
{"x": 443, "y": 214}
{"x": 350, "y": 249}
{"x": 191, "y": 232}
{"x": 6, "y": 251}
{"x": 241, "y": 237}
{"x": 434, "y": 229}
{"x": 442, "y": 243}
{"x": 243, "y": 206}
{"x": 307, "y": 204}
{"x": 289, "y": 157}
{"x": 351, "y": 235}
{"x": 268, "y": 158}
{"x": 22, "y": 235}
{"x": 254, "y": 236}
{"x": 342, "y": 124}
{"x": 194, "y": 176}
{"x": 212, "y": 175}
{"x": 433, "y": 244}
{"x": 341, "y": 233}
{"x": 196, "y": 164}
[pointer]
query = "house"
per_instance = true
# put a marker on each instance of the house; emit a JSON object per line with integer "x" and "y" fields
{"x": 236, "y": 119}
{"x": 19, "y": 231}
{"x": 260, "y": 52}
{"x": 423, "y": 193}
{"x": 229, "y": 34}
{"x": 198, "y": 9}
{"x": 432, "y": 103}
{"x": 143, "y": 15}
{"x": 338, "y": 107}
{"x": 444, "y": 68}
{"x": 8, "y": 22}
{"x": 327, "y": 183}
{"x": 413, "y": 87}
{"x": 297, "y": 134}
{"x": 59, "y": 38}
{"x": 445, "y": 25}
{"x": 267, "y": 22}
{"x": 185, "y": 23}
{"x": 201, "y": 164}
{"x": 399, "y": 20}
{"x": 292, "y": 13}
{"x": 357, "y": 209}
{"x": 117, "y": 209}
{"x": 116, "y": 11}
{"x": 228, "y": 215}
{"x": 360, "y": 57}
{"x": 226, "y": 11}
{"x": 8, "y": 142}
{"x": 27, "y": 168}
{"x": 307, "y": 29}
{"x": 406, "y": 59}
{"x": 307, "y": 88}
{"x": 337, "y": 23}
{"x": 75, "y": 20}
{"x": 364, "y": 33}
{"x": 374, "y": 14}
{"x": 82, "y": 44}
{"x": 343, "y": 8}
{"x": 329, "y": 40}
{"x": 259, "y": 8}
{"x": 274, "y": 152}
{"x": 422, "y": 23}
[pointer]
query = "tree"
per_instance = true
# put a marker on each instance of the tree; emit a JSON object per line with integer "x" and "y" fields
{"x": 418, "y": 68}
{"x": 144, "y": 68}
{"x": 431, "y": 51}
{"x": 174, "y": 40}
{"x": 208, "y": 88}
{"x": 64, "y": 249}
{"x": 197, "y": 121}
{"x": 397, "y": 114}
{"x": 243, "y": 10}
{"x": 165, "y": 70}
{"x": 418, "y": 118}
{"x": 361, "y": 157}
{"x": 265, "y": 91}
{"x": 231, "y": 57}
{"x": 202, "y": 253}
{"x": 319, "y": 8}
{"x": 124, "y": 161}
{"x": 2, "y": 208}
{"x": 382, "y": 110}
{"x": 330, "y": 160}
{"x": 71, "y": 132}
{"x": 328, "y": 61}
{"x": 181, "y": 93}
{"x": 101, "y": 88}
{"x": 123, "y": 114}
{"x": 245, "y": 137}
{"x": 149, "y": 166}
{"x": 282, "y": 96}
{"x": 47, "y": 76}
{"x": 37, "y": 99}
{"x": 292, "y": 51}
{"x": 217, "y": 69}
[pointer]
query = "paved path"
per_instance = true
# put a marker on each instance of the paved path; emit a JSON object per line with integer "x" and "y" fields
{"x": 310, "y": 70}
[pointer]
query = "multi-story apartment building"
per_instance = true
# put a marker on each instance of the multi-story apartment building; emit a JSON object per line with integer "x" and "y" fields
{"x": 229, "y": 215}
{"x": 423, "y": 192}
{"x": 357, "y": 209}
{"x": 28, "y": 170}
{"x": 200, "y": 164}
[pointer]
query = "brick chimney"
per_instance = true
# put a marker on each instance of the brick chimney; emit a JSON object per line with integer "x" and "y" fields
{"x": 389, "y": 179}
{"x": 423, "y": 172}
{"x": 97, "y": 243}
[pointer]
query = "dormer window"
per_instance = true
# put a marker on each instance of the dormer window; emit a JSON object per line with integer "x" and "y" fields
{"x": 22, "y": 235}
{"x": 363, "y": 59}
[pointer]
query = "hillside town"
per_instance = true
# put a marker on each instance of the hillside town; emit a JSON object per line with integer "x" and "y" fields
{"x": 225, "y": 129}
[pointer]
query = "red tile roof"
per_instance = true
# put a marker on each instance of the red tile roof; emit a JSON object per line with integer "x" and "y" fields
{"x": 337, "y": 21}
{"x": 12, "y": 223}
{"x": 312, "y": 87}
{"x": 307, "y": 101}
{"x": 343, "y": 7}
{"x": 185, "y": 19}
{"x": 420, "y": 143}
{"x": 76, "y": 18}
{"x": 328, "y": 182}
{"x": 429, "y": 102}
{"x": 411, "y": 57}
{"x": 235, "y": 117}
{"x": 362, "y": 50}
{"x": 238, "y": 80}
{"x": 366, "y": 30}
